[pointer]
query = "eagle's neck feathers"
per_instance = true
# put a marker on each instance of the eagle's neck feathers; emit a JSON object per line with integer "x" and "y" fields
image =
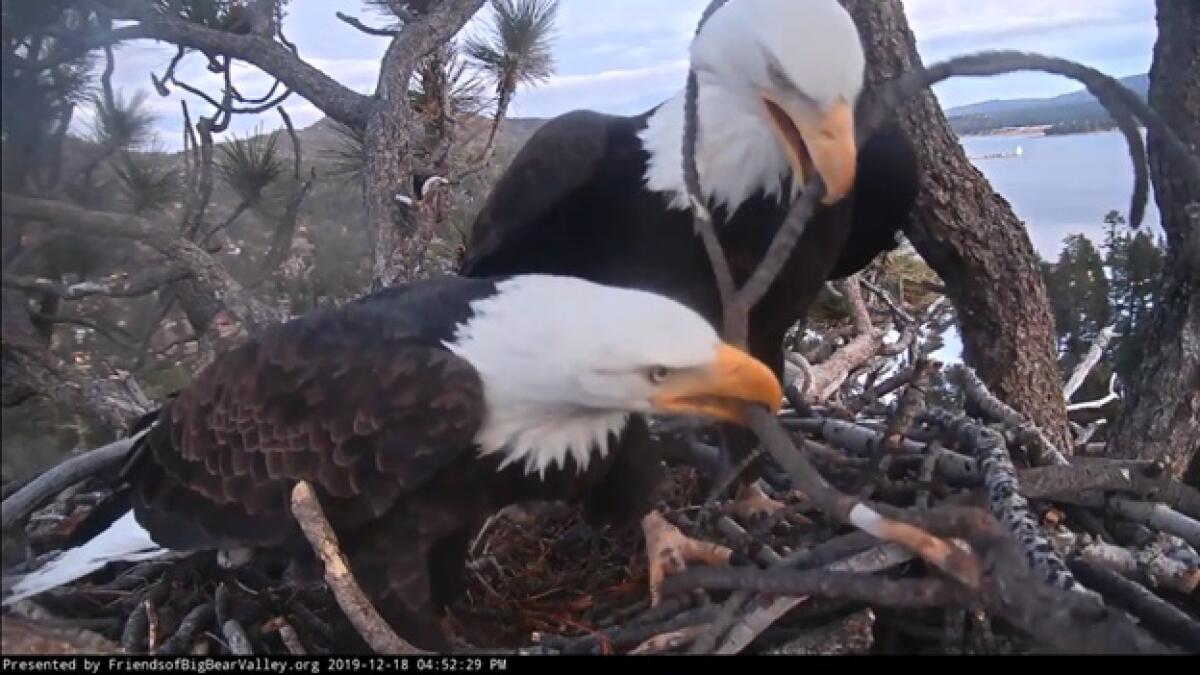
{"x": 543, "y": 438}
{"x": 737, "y": 153}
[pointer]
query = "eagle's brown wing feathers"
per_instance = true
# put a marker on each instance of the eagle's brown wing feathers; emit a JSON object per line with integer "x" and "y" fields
{"x": 352, "y": 402}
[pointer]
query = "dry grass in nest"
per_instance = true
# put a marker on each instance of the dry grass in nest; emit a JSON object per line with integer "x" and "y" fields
{"x": 539, "y": 573}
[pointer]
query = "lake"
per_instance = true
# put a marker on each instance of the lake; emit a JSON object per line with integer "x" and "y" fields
{"x": 1061, "y": 185}
{"x": 1058, "y": 185}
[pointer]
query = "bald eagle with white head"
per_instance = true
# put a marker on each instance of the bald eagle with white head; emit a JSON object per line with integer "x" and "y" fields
{"x": 416, "y": 413}
{"x": 602, "y": 197}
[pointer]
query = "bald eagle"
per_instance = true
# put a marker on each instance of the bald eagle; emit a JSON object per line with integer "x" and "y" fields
{"x": 602, "y": 197}
{"x": 416, "y": 413}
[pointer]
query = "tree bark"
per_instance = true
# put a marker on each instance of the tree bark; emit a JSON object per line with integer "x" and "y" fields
{"x": 401, "y": 233}
{"x": 970, "y": 236}
{"x": 1162, "y": 418}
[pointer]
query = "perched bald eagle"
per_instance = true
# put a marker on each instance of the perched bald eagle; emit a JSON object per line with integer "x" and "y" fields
{"x": 416, "y": 413}
{"x": 602, "y": 197}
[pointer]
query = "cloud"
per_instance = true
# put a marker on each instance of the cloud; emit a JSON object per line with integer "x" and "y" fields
{"x": 618, "y": 91}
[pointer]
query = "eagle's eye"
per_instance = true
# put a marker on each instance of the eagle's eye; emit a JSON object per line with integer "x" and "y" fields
{"x": 657, "y": 374}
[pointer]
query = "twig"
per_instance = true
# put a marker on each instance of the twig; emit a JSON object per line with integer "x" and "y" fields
{"x": 235, "y": 636}
{"x": 55, "y": 480}
{"x": 1101, "y": 402}
{"x": 1068, "y": 621}
{"x": 356, "y": 606}
{"x": 290, "y": 640}
{"x": 1158, "y": 516}
{"x": 950, "y": 559}
{"x": 668, "y": 641}
{"x": 196, "y": 620}
{"x": 1157, "y": 615}
{"x": 1095, "y": 352}
{"x": 133, "y": 635}
{"x": 357, "y": 23}
{"x": 1004, "y": 494}
{"x": 1149, "y": 564}
{"x": 1045, "y": 451}
{"x": 762, "y": 617}
{"x": 862, "y": 587}
{"x": 851, "y": 635}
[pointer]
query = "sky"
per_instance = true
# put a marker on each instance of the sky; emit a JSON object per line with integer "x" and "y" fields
{"x": 620, "y": 57}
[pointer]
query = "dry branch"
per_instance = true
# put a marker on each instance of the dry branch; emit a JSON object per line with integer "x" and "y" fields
{"x": 1149, "y": 563}
{"x": 36, "y": 492}
{"x": 1158, "y": 516}
{"x": 1156, "y": 614}
{"x": 762, "y": 616}
{"x": 358, "y": 609}
{"x": 1095, "y": 352}
{"x": 1004, "y": 495}
{"x": 1027, "y": 431}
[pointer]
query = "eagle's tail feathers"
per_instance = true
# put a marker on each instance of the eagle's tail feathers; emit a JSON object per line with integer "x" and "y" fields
{"x": 124, "y": 541}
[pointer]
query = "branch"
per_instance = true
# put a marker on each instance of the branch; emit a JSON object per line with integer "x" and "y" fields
{"x": 141, "y": 284}
{"x": 862, "y": 587}
{"x": 1155, "y": 614}
{"x": 210, "y": 274}
{"x": 358, "y": 609}
{"x": 1100, "y": 402}
{"x": 1004, "y": 494}
{"x": 1089, "y": 362}
{"x": 1149, "y": 563}
{"x": 333, "y": 98}
{"x": 762, "y": 617}
{"x": 357, "y": 23}
{"x": 945, "y": 556}
{"x": 1158, "y": 516}
{"x": 1044, "y": 450}
{"x": 420, "y": 36}
{"x": 64, "y": 475}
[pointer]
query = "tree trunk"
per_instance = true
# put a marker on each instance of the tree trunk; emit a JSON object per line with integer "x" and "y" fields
{"x": 399, "y": 240}
{"x": 1162, "y": 418}
{"x": 969, "y": 235}
{"x": 400, "y": 233}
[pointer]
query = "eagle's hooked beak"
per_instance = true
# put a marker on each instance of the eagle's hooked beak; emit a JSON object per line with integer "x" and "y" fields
{"x": 723, "y": 390}
{"x": 817, "y": 141}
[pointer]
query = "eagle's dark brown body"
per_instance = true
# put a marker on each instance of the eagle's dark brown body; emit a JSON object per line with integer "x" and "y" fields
{"x": 368, "y": 406}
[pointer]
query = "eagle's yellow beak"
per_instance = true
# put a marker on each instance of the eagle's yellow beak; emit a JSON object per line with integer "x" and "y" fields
{"x": 821, "y": 142}
{"x": 735, "y": 380}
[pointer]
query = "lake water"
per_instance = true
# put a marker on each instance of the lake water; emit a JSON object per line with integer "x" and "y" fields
{"x": 1058, "y": 185}
{"x": 1061, "y": 185}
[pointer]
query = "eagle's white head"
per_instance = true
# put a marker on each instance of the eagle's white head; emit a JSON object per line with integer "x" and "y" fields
{"x": 564, "y": 362}
{"x": 778, "y": 82}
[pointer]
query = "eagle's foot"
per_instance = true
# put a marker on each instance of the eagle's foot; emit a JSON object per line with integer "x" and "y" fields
{"x": 668, "y": 551}
{"x": 753, "y": 504}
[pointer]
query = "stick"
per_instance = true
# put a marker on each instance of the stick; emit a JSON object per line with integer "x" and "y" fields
{"x": 852, "y": 635}
{"x": 358, "y": 609}
{"x": 1100, "y": 402}
{"x": 758, "y": 620}
{"x": 912, "y": 593}
{"x": 1158, "y": 516}
{"x": 1004, "y": 494}
{"x": 1044, "y": 450}
{"x": 946, "y": 557}
{"x": 1089, "y": 362}
{"x": 235, "y": 636}
{"x": 55, "y": 480}
{"x": 1157, "y": 615}
{"x": 1149, "y": 564}
{"x": 196, "y": 620}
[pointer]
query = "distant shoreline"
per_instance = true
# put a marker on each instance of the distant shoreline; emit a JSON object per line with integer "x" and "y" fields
{"x": 1035, "y": 131}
